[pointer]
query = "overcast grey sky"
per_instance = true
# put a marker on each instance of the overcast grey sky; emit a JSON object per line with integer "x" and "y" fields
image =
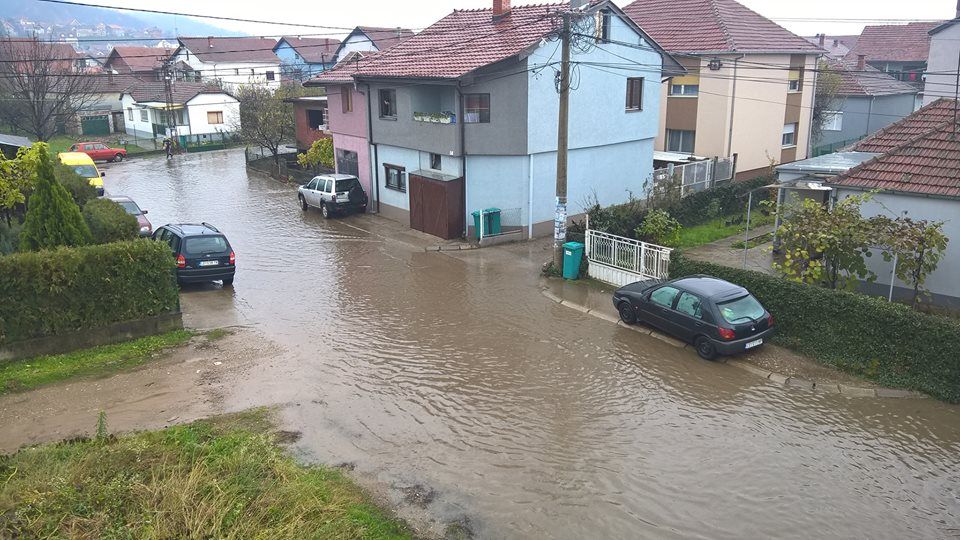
{"x": 420, "y": 13}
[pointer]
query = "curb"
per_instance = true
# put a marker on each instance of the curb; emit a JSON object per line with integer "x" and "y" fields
{"x": 452, "y": 247}
{"x": 777, "y": 378}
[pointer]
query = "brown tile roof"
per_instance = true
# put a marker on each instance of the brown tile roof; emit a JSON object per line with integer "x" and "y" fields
{"x": 231, "y": 49}
{"x": 153, "y": 91}
{"x": 109, "y": 83}
{"x": 384, "y": 38}
{"x": 894, "y": 42}
{"x": 903, "y": 131}
{"x": 344, "y": 71}
{"x": 138, "y": 58}
{"x": 313, "y": 50}
{"x": 868, "y": 82}
{"x": 26, "y": 50}
{"x": 700, "y": 26}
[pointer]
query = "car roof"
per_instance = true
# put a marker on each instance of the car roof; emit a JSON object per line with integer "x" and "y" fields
{"x": 710, "y": 287}
{"x": 335, "y": 176}
{"x": 193, "y": 229}
{"x": 74, "y": 158}
{"x": 120, "y": 198}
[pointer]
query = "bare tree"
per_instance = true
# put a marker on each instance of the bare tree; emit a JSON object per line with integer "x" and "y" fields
{"x": 265, "y": 118}
{"x": 40, "y": 84}
{"x": 827, "y": 97}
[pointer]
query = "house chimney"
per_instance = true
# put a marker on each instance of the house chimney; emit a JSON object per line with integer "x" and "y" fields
{"x": 861, "y": 61}
{"x": 502, "y": 7}
{"x": 823, "y": 37}
{"x": 210, "y": 41}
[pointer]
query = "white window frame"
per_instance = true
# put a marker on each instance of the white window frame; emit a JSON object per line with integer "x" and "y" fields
{"x": 789, "y": 129}
{"x": 684, "y": 134}
{"x": 684, "y": 90}
{"x": 832, "y": 121}
{"x": 794, "y": 85}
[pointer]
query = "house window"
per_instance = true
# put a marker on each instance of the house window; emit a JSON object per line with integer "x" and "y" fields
{"x": 270, "y": 76}
{"x": 214, "y": 117}
{"x": 476, "y": 108}
{"x": 130, "y": 114}
{"x": 795, "y": 79}
{"x": 789, "y": 137}
{"x": 679, "y": 140}
{"x": 144, "y": 115}
{"x": 436, "y": 162}
{"x": 635, "y": 93}
{"x": 252, "y": 72}
{"x": 684, "y": 89}
{"x": 794, "y": 85}
{"x": 346, "y": 99}
{"x": 832, "y": 120}
{"x": 315, "y": 118}
{"x": 602, "y": 26}
{"x": 388, "y": 103}
{"x": 348, "y": 162}
{"x": 236, "y": 71}
{"x": 394, "y": 177}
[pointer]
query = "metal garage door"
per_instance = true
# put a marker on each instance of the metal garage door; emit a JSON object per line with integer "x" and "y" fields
{"x": 95, "y": 125}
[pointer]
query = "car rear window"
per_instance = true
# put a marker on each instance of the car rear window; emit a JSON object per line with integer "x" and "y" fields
{"x": 200, "y": 245}
{"x": 346, "y": 185}
{"x": 86, "y": 171}
{"x": 745, "y": 308}
{"x": 130, "y": 206}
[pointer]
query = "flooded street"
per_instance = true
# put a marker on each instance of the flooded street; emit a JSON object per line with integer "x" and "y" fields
{"x": 516, "y": 417}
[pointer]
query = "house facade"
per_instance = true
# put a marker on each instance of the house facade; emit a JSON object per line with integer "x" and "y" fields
{"x": 200, "y": 111}
{"x": 370, "y": 39}
{"x": 303, "y": 58}
{"x": 940, "y": 79}
{"x": 347, "y": 122}
{"x": 450, "y": 135}
{"x": 749, "y": 86}
{"x": 898, "y": 49}
{"x": 310, "y": 120}
{"x": 231, "y": 62}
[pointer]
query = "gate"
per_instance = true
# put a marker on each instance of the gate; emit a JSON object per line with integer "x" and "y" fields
{"x": 436, "y": 206}
{"x": 618, "y": 260}
{"x": 95, "y": 125}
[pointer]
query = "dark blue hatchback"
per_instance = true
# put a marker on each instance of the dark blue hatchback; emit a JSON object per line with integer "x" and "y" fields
{"x": 202, "y": 252}
{"x": 716, "y": 316}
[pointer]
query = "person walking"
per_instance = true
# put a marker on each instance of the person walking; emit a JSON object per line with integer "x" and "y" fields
{"x": 168, "y": 146}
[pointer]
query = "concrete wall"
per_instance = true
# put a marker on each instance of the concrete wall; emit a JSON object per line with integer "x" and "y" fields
{"x": 233, "y": 74}
{"x": 404, "y": 131}
{"x": 199, "y": 106}
{"x": 941, "y": 79}
{"x": 411, "y": 160}
{"x": 291, "y": 60}
{"x": 306, "y": 135}
{"x": 506, "y": 133}
{"x": 943, "y": 282}
{"x": 350, "y": 130}
{"x": 136, "y": 127}
{"x": 865, "y": 115}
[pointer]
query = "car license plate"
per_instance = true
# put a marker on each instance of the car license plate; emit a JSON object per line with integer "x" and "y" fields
{"x": 209, "y": 263}
{"x": 754, "y": 343}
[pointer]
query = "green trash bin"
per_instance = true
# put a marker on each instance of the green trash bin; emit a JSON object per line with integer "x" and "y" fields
{"x": 476, "y": 223}
{"x": 572, "y": 255}
{"x": 492, "y": 223}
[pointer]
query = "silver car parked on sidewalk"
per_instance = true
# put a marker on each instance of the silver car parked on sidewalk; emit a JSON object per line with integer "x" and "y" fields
{"x": 333, "y": 193}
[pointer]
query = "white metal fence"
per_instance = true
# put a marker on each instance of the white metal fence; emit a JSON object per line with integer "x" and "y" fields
{"x": 696, "y": 176}
{"x": 619, "y": 260}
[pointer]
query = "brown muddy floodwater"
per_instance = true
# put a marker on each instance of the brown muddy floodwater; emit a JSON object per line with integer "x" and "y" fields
{"x": 519, "y": 417}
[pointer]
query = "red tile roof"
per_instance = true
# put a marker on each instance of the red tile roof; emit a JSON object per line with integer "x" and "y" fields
{"x": 138, "y": 58}
{"x": 918, "y": 154}
{"x": 231, "y": 49}
{"x": 343, "y": 72}
{"x": 903, "y": 131}
{"x": 700, "y": 26}
{"x": 313, "y": 50}
{"x": 868, "y": 82}
{"x": 894, "y": 42}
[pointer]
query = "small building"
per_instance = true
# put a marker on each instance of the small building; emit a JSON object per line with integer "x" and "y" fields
{"x": 940, "y": 79}
{"x": 201, "y": 112}
{"x": 834, "y": 46}
{"x": 11, "y": 144}
{"x": 229, "y": 61}
{"x": 144, "y": 62}
{"x": 310, "y": 116}
{"x": 898, "y": 49}
{"x": 371, "y": 39}
{"x": 303, "y": 58}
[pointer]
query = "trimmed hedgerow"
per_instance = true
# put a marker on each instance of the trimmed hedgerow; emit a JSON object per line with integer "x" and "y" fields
{"x": 885, "y": 342}
{"x": 66, "y": 289}
{"x": 109, "y": 222}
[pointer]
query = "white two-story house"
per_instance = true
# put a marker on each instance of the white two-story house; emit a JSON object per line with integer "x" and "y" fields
{"x": 230, "y": 61}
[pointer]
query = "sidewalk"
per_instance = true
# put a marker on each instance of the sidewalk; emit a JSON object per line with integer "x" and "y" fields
{"x": 759, "y": 258}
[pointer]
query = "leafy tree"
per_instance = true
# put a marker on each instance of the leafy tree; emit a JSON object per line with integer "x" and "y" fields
{"x": 53, "y": 219}
{"x": 918, "y": 246}
{"x": 659, "y": 228}
{"x": 265, "y": 118}
{"x": 109, "y": 222}
{"x": 17, "y": 177}
{"x": 78, "y": 186}
{"x": 826, "y": 98}
{"x": 320, "y": 153}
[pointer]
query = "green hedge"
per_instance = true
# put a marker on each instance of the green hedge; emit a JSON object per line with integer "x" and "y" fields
{"x": 66, "y": 289}
{"x": 886, "y": 342}
{"x": 730, "y": 197}
{"x": 109, "y": 222}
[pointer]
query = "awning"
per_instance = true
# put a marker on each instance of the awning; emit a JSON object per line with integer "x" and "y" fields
{"x": 676, "y": 157}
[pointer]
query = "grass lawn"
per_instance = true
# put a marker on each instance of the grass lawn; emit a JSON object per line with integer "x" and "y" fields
{"x": 718, "y": 229}
{"x": 30, "y": 373}
{"x": 219, "y": 478}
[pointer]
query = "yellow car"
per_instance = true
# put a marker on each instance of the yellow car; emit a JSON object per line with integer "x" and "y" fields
{"x": 84, "y": 166}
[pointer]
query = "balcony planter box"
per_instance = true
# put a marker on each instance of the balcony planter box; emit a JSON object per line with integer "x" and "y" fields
{"x": 435, "y": 118}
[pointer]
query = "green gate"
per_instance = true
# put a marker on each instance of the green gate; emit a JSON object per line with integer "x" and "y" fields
{"x": 95, "y": 125}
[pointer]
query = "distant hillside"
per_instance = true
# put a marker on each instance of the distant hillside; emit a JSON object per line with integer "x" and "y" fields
{"x": 63, "y": 13}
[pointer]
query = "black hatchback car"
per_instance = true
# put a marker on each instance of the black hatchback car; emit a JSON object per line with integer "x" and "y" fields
{"x": 202, "y": 252}
{"x": 716, "y": 316}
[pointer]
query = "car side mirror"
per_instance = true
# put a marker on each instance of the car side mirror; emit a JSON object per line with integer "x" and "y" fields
{"x": 102, "y": 174}
{"x": 144, "y": 211}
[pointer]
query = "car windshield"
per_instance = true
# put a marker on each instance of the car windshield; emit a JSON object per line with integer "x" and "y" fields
{"x": 745, "y": 308}
{"x": 86, "y": 171}
{"x": 347, "y": 185}
{"x": 201, "y": 245}
{"x": 130, "y": 206}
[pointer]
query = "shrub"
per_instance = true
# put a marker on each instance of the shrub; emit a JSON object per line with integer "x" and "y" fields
{"x": 67, "y": 289}
{"x": 882, "y": 341}
{"x": 109, "y": 222}
{"x": 9, "y": 236}
{"x": 659, "y": 228}
{"x": 78, "y": 186}
{"x": 53, "y": 219}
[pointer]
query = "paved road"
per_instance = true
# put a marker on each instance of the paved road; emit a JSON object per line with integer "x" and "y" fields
{"x": 454, "y": 378}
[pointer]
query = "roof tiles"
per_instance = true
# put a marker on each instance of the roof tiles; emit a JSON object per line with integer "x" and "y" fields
{"x": 894, "y": 42}
{"x": 231, "y": 49}
{"x": 313, "y": 50}
{"x": 868, "y": 81}
{"x": 906, "y": 129}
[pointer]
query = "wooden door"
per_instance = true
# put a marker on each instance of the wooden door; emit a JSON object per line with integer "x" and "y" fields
{"x": 435, "y": 206}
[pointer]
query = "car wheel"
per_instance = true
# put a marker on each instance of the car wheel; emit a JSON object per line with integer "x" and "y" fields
{"x": 303, "y": 203}
{"x": 324, "y": 210}
{"x": 627, "y": 315}
{"x": 705, "y": 348}
{"x": 227, "y": 281}
{"x": 118, "y": 158}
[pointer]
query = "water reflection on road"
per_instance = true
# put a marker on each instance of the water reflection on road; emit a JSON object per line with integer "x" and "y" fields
{"x": 527, "y": 418}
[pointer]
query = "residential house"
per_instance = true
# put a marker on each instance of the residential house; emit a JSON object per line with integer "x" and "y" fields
{"x": 834, "y": 46}
{"x": 103, "y": 112}
{"x": 230, "y": 61}
{"x": 200, "y": 111}
{"x": 868, "y": 99}
{"x": 940, "y": 79}
{"x": 898, "y": 49}
{"x": 302, "y": 58}
{"x": 144, "y": 62}
{"x": 464, "y": 116}
{"x": 310, "y": 116}
{"x": 371, "y": 39}
{"x": 749, "y": 89}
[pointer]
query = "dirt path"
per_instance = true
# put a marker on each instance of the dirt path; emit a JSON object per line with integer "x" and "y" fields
{"x": 185, "y": 384}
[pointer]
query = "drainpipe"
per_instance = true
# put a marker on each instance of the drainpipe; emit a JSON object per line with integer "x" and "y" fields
{"x": 463, "y": 158}
{"x": 733, "y": 104}
{"x": 530, "y": 199}
{"x": 376, "y": 158}
{"x": 866, "y": 132}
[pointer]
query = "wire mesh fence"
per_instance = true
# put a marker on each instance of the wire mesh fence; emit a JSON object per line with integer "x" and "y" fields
{"x": 498, "y": 222}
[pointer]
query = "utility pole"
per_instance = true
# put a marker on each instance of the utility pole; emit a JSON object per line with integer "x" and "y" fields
{"x": 560, "y": 218}
{"x": 168, "y": 94}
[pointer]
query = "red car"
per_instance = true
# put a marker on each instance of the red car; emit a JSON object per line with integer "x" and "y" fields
{"x": 98, "y": 150}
